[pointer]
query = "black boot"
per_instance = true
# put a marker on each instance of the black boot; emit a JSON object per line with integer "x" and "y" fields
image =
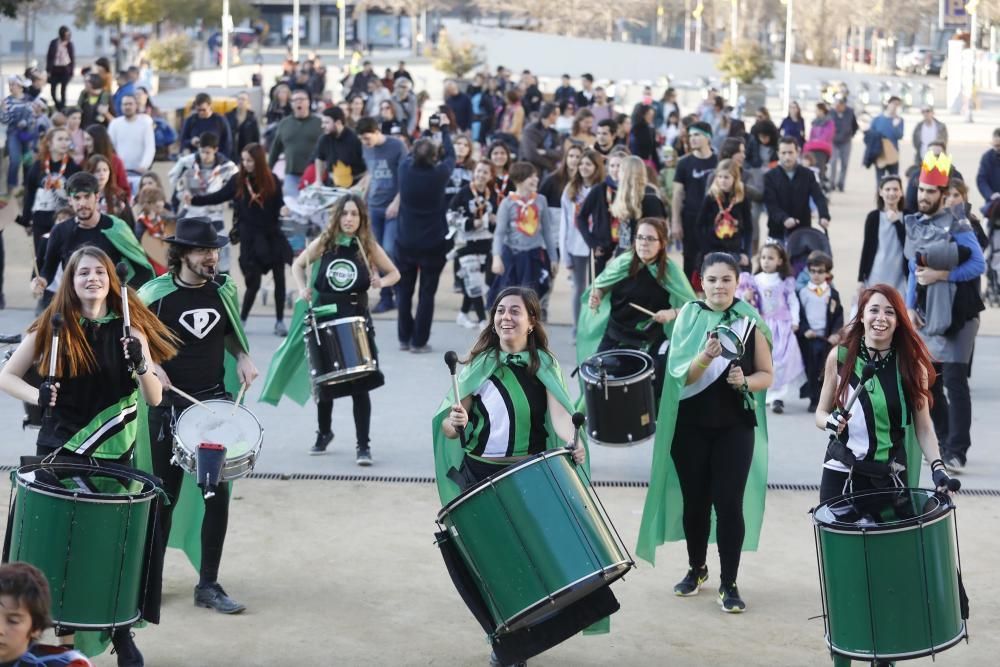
{"x": 125, "y": 648}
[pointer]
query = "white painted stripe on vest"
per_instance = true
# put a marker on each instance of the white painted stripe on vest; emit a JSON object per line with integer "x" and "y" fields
{"x": 496, "y": 410}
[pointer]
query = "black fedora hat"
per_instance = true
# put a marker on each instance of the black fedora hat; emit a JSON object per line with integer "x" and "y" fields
{"x": 197, "y": 233}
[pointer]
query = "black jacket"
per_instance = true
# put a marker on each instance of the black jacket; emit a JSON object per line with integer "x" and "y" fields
{"x": 789, "y": 198}
{"x": 834, "y": 316}
{"x": 247, "y": 132}
{"x": 262, "y": 244}
{"x": 869, "y": 246}
{"x": 594, "y": 218}
{"x": 739, "y": 243}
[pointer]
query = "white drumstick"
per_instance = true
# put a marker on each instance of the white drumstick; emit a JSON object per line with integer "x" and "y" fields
{"x": 239, "y": 397}
{"x": 184, "y": 394}
{"x": 642, "y": 310}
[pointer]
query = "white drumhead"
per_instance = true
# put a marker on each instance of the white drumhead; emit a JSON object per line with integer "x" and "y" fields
{"x": 237, "y": 430}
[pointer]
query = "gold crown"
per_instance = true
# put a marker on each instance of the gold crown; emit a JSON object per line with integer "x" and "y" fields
{"x": 940, "y": 162}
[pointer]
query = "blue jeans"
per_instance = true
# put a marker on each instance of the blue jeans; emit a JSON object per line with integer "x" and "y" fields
{"x": 290, "y": 186}
{"x": 385, "y": 235}
{"x": 15, "y": 153}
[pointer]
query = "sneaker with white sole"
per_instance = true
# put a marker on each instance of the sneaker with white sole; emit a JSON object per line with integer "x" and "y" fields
{"x": 692, "y": 581}
{"x": 463, "y": 320}
{"x": 730, "y": 600}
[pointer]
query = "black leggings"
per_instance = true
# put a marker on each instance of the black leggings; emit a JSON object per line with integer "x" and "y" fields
{"x": 712, "y": 467}
{"x": 216, "y": 521}
{"x": 362, "y": 415}
{"x": 252, "y": 276}
{"x": 833, "y": 482}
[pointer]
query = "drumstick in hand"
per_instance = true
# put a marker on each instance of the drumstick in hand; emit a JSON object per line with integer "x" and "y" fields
{"x": 189, "y": 397}
{"x": 578, "y": 421}
{"x": 641, "y": 309}
{"x": 451, "y": 359}
{"x": 122, "y": 270}
{"x": 239, "y": 398}
{"x": 57, "y": 323}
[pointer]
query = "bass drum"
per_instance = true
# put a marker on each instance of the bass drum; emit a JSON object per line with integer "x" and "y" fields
{"x": 618, "y": 393}
{"x": 86, "y": 527}
{"x": 889, "y": 574}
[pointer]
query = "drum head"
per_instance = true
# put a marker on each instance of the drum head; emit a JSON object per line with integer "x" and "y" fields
{"x": 616, "y": 365}
{"x": 91, "y": 481}
{"x": 732, "y": 344}
{"x": 219, "y": 423}
{"x": 888, "y": 509}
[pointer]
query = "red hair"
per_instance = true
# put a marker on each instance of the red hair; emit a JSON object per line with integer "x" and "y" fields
{"x": 263, "y": 179}
{"x": 914, "y": 358}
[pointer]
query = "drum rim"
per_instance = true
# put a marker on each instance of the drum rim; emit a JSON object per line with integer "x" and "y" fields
{"x": 250, "y": 454}
{"x": 618, "y": 381}
{"x": 476, "y": 488}
{"x": 943, "y": 646}
{"x": 69, "y": 625}
{"x": 515, "y": 619}
{"x": 149, "y": 490}
{"x": 946, "y": 508}
{"x": 323, "y": 324}
{"x": 363, "y": 369}
{"x": 621, "y": 445}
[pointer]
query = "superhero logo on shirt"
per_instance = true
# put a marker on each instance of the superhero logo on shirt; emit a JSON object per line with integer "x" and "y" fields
{"x": 341, "y": 274}
{"x": 200, "y": 321}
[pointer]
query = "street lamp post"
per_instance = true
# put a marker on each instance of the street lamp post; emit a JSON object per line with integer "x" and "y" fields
{"x": 342, "y": 30}
{"x": 734, "y": 33}
{"x": 295, "y": 30}
{"x": 227, "y": 28}
{"x": 789, "y": 46}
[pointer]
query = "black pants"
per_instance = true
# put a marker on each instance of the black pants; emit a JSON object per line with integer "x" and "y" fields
{"x": 814, "y": 351}
{"x": 362, "y": 416}
{"x": 416, "y": 331}
{"x": 712, "y": 467}
{"x": 252, "y": 276}
{"x": 834, "y": 483}
{"x": 58, "y": 79}
{"x": 952, "y": 411}
{"x": 216, "y": 521}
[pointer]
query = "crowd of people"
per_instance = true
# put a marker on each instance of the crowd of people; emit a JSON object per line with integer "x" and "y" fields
{"x": 506, "y": 184}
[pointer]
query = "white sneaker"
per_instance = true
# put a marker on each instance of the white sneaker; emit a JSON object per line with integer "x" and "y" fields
{"x": 463, "y": 320}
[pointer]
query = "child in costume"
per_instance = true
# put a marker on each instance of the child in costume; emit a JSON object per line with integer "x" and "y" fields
{"x": 821, "y": 315}
{"x": 775, "y": 298}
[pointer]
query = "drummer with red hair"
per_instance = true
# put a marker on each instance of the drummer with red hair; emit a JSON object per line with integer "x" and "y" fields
{"x": 876, "y": 447}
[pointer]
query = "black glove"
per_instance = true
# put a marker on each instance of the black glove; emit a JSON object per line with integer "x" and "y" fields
{"x": 939, "y": 475}
{"x": 838, "y": 451}
{"x": 45, "y": 394}
{"x": 832, "y": 424}
{"x": 133, "y": 353}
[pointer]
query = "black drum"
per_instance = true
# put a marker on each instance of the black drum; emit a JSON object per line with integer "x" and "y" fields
{"x": 338, "y": 350}
{"x": 618, "y": 391}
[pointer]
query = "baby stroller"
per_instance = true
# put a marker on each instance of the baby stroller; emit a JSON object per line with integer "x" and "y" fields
{"x": 803, "y": 241}
{"x": 991, "y": 295}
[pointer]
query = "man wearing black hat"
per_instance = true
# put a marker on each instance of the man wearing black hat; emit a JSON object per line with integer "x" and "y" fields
{"x": 91, "y": 227}
{"x": 200, "y": 306}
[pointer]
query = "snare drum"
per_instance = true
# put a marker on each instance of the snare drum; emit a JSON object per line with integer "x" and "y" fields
{"x": 219, "y": 422}
{"x": 889, "y": 574}
{"x": 618, "y": 392}
{"x": 535, "y": 538}
{"x": 338, "y": 350}
{"x": 85, "y": 527}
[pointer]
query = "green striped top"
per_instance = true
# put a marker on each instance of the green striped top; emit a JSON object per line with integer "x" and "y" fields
{"x": 507, "y": 417}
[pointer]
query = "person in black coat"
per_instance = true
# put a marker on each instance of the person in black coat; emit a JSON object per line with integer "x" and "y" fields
{"x": 724, "y": 222}
{"x": 256, "y": 195}
{"x": 787, "y": 191}
{"x": 243, "y": 123}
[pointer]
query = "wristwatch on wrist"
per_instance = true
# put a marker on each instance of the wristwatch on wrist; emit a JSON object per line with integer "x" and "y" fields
{"x": 141, "y": 370}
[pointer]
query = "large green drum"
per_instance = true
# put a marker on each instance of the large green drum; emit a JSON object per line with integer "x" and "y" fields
{"x": 889, "y": 574}
{"x": 535, "y": 539}
{"x": 86, "y": 528}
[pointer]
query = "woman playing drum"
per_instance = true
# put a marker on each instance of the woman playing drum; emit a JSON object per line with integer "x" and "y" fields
{"x": 513, "y": 404}
{"x": 346, "y": 261}
{"x": 876, "y": 448}
{"x": 92, "y": 400}
{"x": 711, "y": 437}
{"x": 637, "y": 291}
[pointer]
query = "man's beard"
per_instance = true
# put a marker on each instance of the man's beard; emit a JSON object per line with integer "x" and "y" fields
{"x": 203, "y": 272}
{"x": 928, "y": 208}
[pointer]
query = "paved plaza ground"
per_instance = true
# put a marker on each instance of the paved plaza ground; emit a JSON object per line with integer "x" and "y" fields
{"x": 345, "y": 572}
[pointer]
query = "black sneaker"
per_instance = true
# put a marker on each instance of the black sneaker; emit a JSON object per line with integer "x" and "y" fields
{"x": 777, "y": 407}
{"x": 322, "y": 441}
{"x": 495, "y": 662}
{"x": 953, "y": 463}
{"x": 384, "y": 306}
{"x": 125, "y": 648}
{"x": 692, "y": 581}
{"x": 812, "y": 407}
{"x": 211, "y": 596}
{"x": 730, "y": 600}
{"x": 280, "y": 330}
{"x": 364, "y": 457}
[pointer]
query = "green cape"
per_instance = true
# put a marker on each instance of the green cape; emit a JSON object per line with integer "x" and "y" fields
{"x": 592, "y": 324}
{"x": 123, "y": 239}
{"x": 185, "y": 532}
{"x": 661, "y": 516}
{"x": 448, "y": 453}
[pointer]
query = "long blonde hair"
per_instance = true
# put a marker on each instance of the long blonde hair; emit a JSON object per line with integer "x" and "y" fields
{"x": 631, "y": 188}
{"x": 733, "y": 169}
